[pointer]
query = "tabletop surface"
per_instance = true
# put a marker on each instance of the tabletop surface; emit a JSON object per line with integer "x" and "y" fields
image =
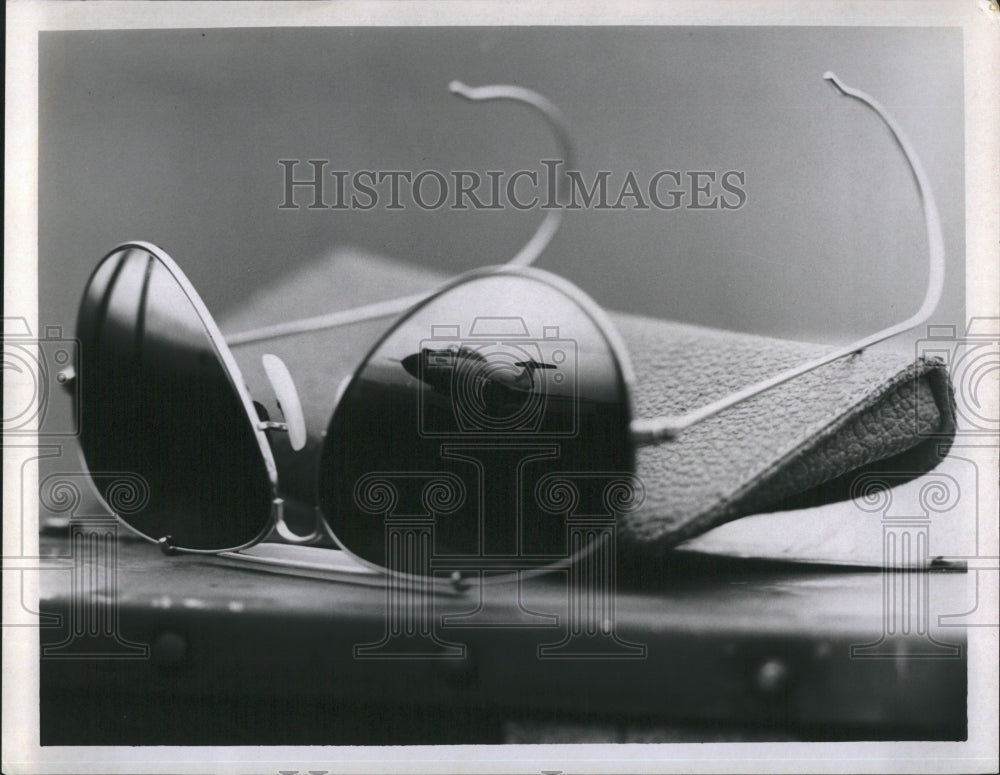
{"x": 703, "y": 644}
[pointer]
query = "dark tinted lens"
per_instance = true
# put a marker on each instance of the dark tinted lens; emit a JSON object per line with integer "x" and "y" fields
{"x": 157, "y": 401}
{"x": 482, "y": 422}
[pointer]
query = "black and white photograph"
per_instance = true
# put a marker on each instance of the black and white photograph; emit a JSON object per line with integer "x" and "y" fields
{"x": 470, "y": 387}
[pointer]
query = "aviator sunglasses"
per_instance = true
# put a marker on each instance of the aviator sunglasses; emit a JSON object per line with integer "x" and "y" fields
{"x": 469, "y": 410}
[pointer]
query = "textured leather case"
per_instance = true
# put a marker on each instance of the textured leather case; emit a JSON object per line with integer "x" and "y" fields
{"x": 800, "y": 444}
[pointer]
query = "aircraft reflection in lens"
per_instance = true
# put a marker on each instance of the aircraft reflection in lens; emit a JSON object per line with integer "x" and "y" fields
{"x": 502, "y": 387}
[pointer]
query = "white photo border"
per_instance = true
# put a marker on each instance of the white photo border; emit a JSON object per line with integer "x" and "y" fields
{"x": 980, "y": 22}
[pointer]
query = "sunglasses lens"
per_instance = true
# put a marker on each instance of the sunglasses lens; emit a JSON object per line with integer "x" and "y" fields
{"x": 485, "y": 418}
{"x": 157, "y": 400}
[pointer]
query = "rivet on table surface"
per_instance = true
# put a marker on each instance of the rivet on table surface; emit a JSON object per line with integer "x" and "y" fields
{"x": 458, "y": 671}
{"x": 169, "y": 649}
{"x": 772, "y": 677}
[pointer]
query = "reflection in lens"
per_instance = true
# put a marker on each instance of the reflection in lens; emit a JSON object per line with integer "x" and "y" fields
{"x": 157, "y": 401}
{"x": 490, "y": 392}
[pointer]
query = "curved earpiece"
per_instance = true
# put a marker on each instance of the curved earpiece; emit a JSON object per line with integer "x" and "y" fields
{"x": 655, "y": 430}
{"x": 525, "y": 256}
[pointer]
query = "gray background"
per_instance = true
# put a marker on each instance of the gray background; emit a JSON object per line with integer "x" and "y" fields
{"x": 174, "y": 136}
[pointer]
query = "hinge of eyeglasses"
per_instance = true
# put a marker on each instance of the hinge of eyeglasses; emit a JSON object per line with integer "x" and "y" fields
{"x": 66, "y": 377}
{"x": 166, "y": 545}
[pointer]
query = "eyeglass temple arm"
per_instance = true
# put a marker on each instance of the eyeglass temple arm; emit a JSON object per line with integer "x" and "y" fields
{"x": 554, "y": 118}
{"x": 655, "y": 430}
{"x": 526, "y": 256}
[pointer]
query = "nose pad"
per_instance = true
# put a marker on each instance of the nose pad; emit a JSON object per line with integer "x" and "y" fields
{"x": 288, "y": 399}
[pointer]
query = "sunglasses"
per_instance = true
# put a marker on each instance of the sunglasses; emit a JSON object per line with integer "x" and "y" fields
{"x": 468, "y": 415}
